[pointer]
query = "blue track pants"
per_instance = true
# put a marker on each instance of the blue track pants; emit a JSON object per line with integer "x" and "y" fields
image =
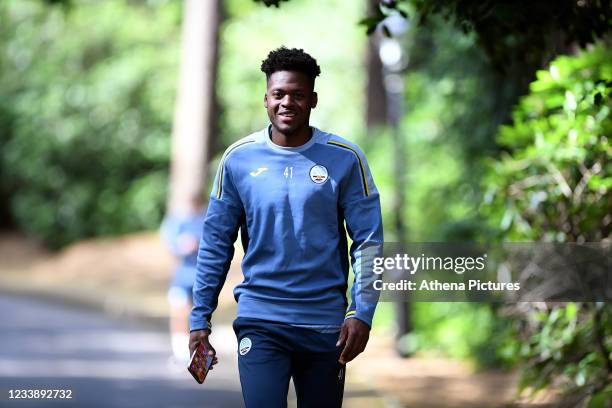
{"x": 270, "y": 353}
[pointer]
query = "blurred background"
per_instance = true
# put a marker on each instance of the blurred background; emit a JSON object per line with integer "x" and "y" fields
{"x": 481, "y": 121}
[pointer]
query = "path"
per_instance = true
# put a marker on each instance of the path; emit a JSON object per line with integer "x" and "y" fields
{"x": 104, "y": 362}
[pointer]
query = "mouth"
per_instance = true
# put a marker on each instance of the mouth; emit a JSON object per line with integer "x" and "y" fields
{"x": 286, "y": 114}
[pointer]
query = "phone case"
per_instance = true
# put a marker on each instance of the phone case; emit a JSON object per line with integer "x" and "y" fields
{"x": 200, "y": 363}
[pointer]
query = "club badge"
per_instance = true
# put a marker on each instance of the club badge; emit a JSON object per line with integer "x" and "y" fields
{"x": 318, "y": 174}
{"x": 245, "y": 346}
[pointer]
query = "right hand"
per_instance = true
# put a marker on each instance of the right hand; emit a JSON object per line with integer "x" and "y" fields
{"x": 201, "y": 336}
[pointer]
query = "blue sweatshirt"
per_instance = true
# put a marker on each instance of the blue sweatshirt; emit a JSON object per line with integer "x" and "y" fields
{"x": 291, "y": 205}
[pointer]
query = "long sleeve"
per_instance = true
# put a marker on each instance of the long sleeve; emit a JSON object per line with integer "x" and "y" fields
{"x": 360, "y": 204}
{"x": 216, "y": 247}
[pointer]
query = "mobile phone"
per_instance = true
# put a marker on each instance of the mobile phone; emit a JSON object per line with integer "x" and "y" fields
{"x": 200, "y": 363}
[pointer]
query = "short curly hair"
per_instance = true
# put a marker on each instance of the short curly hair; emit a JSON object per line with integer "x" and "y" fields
{"x": 294, "y": 59}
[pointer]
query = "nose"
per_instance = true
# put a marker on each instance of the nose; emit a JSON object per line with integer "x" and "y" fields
{"x": 287, "y": 100}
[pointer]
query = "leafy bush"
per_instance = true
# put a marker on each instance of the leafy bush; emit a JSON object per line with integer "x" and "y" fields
{"x": 553, "y": 184}
{"x": 85, "y": 116}
{"x": 461, "y": 330}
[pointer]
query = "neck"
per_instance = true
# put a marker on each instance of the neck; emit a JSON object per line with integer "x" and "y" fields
{"x": 298, "y": 138}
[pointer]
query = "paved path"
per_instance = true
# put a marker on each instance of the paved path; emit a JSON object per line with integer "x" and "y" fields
{"x": 108, "y": 362}
{"x": 105, "y": 362}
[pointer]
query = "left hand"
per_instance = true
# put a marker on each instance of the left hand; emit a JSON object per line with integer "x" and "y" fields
{"x": 354, "y": 336}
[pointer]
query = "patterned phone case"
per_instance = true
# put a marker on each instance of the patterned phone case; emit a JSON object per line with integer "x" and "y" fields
{"x": 200, "y": 363}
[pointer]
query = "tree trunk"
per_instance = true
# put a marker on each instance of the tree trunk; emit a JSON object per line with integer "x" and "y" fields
{"x": 194, "y": 128}
{"x": 376, "y": 100}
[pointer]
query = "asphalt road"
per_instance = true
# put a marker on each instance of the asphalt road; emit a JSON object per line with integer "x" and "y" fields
{"x": 104, "y": 362}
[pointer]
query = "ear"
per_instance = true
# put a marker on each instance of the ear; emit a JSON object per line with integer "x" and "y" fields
{"x": 315, "y": 99}
{"x": 266, "y": 100}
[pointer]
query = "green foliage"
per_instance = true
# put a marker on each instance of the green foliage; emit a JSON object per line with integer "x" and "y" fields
{"x": 568, "y": 347}
{"x": 509, "y": 32}
{"x": 85, "y": 115}
{"x": 526, "y": 33}
{"x": 88, "y": 93}
{"x": 454, "y": 105}
{"x": 471, "y": 331}
{"x": 553, "y": 184}
{"x": 554, "y": 181}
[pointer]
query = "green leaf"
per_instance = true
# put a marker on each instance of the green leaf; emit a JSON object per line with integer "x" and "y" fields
{"x": 570, "y": 311}
{"x": 601, "y": 399}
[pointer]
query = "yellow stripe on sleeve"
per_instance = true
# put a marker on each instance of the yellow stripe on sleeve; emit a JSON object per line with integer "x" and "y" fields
{"x": 364, "y": 179}
{"x": 222, "y": 165}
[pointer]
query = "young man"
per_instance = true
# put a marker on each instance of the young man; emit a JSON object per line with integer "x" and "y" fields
{"x": 290, "y": 188}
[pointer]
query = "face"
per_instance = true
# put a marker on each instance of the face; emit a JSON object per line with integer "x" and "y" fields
{"x": 289, "y": 99}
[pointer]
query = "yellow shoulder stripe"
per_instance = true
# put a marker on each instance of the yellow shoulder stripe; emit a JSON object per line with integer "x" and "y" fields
{"x": 364, "y": 179}
{"x": 222, "y": 165}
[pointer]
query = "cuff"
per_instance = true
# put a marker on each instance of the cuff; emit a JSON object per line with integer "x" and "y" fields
{"x": 200, "y": 325}
{"x": 364, "y": 317}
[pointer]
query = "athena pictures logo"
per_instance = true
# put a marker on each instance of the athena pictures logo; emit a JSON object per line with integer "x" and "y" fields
{"x": 245, "y": 346}
{"x": 318, "y": 174}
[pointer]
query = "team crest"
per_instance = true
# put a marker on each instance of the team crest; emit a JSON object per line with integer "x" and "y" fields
{"x": 318, "y": 174}
{"x": 245, "y": 346}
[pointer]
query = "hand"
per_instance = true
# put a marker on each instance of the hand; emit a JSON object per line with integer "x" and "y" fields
{"x": 187, "y": 244}
{"x": 354, "y": 336}
{"x": 201, "y": 336}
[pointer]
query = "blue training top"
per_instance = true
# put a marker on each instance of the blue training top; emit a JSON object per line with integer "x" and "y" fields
{"x": 290, "y": 204}
{"x": 172, "y": 227}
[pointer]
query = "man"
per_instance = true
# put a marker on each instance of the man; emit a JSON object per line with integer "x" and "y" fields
{"x": 289, "y": 189}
